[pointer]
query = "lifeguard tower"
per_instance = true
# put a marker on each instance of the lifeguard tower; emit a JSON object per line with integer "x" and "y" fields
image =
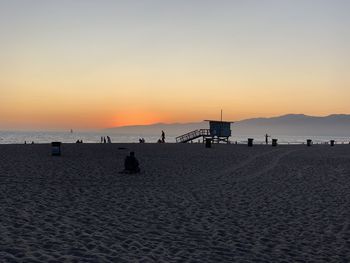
{"x": 219, "y": 131}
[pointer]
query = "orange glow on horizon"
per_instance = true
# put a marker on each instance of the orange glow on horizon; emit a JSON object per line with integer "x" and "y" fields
{"x": 141, "y": 117}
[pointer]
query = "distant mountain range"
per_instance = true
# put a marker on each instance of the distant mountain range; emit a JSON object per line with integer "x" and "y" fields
{"x": 290, "y": 124}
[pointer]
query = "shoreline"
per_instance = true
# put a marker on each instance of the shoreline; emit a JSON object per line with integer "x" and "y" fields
{"x": 175, "y": 143}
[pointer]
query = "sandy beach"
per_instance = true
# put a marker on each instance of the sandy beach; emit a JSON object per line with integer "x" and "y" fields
{"x": 229, "y": 203}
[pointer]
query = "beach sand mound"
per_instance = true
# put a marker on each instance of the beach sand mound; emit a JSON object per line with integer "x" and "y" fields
{"x": 189, "y": 204}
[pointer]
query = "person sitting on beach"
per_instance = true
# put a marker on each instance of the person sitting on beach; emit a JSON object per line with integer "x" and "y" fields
{"x": 131, "y": 164}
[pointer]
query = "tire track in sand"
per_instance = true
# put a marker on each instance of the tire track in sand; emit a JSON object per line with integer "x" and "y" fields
{"x": 256, "y": 165}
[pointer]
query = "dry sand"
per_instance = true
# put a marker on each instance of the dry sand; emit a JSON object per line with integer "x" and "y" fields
{"x": 230, "y": 203}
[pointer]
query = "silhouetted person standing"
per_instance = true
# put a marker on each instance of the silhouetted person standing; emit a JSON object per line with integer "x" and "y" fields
{"x": 131, "y": 164}
{"x": 267, "y": 138}
{"x": 104, "y": 139}
{"x": 163, "y": 136}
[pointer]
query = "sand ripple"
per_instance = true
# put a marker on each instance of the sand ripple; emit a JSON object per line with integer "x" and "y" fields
{"x": 190, "y": 204}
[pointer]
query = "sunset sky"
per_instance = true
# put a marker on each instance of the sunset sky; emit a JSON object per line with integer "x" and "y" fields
{"x": 102, "y": 63}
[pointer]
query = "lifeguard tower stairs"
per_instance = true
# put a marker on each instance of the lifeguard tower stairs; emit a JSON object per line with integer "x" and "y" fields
{"x": 219, "y": 131}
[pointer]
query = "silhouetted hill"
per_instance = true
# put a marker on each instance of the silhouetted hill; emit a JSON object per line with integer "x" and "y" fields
{"x": 290, "y": 124}
{"x": 297, "y": 125}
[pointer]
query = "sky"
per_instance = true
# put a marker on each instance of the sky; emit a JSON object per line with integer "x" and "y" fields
{"x": 87, "y": 64}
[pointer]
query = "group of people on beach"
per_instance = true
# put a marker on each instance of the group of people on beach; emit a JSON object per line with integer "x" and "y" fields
{"x": 107, "y": 139}
{"x": 104, "y": 140}
{"x": 160, "y": 140}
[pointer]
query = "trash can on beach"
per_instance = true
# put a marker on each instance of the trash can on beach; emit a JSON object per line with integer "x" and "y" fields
{"x": 274, "y": 142}
{"x": 56, "y": 148}
{"x": 332, "y": 142}
{"x": 309, "y": 142}
{"x": 207, "y": 143}
{"x": 250, "y": 142}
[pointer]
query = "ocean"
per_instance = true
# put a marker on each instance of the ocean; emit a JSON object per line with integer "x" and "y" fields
{"x": 20, "y": 137}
